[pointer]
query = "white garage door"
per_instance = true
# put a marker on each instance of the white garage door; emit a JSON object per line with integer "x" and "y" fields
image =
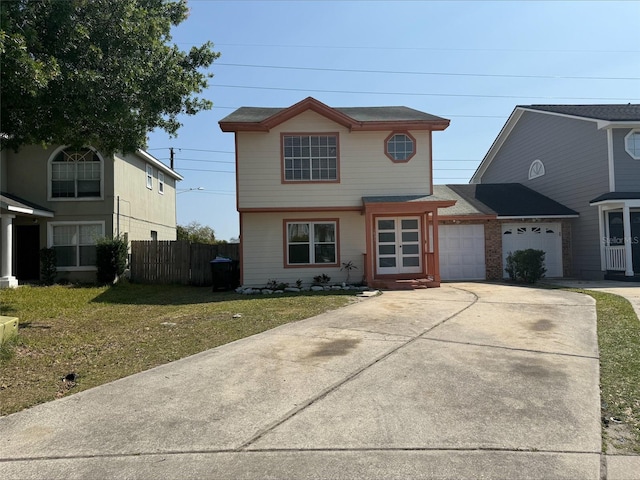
{"x": 461, "y": 252}
{"x": 541, "y": 236}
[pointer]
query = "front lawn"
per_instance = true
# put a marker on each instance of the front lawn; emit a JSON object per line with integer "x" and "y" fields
{"x": 100, "y": 334}
{"x": 619, "y": 342}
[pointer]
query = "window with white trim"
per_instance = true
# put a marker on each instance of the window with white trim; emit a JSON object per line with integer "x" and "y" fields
{"x": 536, "y": 169}
{"x": 632, "y": 143}
{"x": 161, "y": 183}
{"x": 311, "y": 158}
{"x": 76, "y": 173}
{"x": 311, "y": 243}
{"x": 75, "y": 243}
{"x": 149, "y": 177}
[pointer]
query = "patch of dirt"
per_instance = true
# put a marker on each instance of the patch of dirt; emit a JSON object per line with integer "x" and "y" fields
{"x": 618, "y": 436}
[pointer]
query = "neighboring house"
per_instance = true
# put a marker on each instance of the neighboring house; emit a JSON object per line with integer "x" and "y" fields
{"x": 586, "y": 157}
{"x": 67, "y": 198}
{"x": 319, "y": 186}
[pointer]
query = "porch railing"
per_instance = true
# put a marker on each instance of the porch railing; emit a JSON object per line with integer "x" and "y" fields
{"x": 615, "y": 258}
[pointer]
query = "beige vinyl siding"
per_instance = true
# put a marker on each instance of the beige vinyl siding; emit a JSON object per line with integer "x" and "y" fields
{"x": 364, "y": 169}
{"x": 263, "y": 248}
{"x": 142, "y": 210}
{"x": 574, "y": 153}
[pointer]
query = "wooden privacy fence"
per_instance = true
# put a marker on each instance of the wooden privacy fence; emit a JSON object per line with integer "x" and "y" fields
{"x": 178, "y": 261}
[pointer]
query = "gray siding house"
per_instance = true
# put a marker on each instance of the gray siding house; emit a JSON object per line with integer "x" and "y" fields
{"x": 586, "y": 157}
{"x": 67, "y": 198}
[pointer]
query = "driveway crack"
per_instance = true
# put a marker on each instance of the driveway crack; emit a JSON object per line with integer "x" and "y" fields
{"x": 331, "y": 388}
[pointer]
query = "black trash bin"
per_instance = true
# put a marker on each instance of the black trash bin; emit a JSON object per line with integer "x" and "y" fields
{"x": 224, "y": 272}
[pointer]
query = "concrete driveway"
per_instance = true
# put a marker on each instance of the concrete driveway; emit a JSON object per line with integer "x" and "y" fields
{"x": 469, "y": 380}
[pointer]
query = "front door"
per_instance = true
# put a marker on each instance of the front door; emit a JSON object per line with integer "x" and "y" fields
{"x": 398, "y": 243}
{"x": 27, "y": 252}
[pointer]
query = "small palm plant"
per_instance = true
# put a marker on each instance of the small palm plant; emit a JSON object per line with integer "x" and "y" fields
{"x": 348, "y": 266}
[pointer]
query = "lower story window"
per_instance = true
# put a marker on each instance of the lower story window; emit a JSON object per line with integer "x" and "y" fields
{"x": 310, "y": 243}
{"x": 75, "y": 244}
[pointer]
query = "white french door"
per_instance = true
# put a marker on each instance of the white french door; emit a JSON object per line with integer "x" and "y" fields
{"x": 398, "y": 245}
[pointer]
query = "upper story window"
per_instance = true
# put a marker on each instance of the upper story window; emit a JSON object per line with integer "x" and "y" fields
{"x": 400, "y": 147}
{"x": 632, "y": 144}
{"x": 536, "y": 169}
{"x": 161, "y": 183}
{"x": 310, "y": 158}
{"x": 76, "y": 173}
{"x": 149, "y": 177}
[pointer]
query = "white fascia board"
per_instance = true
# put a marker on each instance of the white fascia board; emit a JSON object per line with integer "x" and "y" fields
{"x": 497, "y": 144}
{"x": 29, "y": 211}
{"x": 619, "y": 203}
{"x": 530, "y": 217}
{"x": 606, "y": 124}
{"x": 158, "y": 164}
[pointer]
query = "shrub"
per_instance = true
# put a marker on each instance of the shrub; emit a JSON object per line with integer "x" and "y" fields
{"x": 48, "y": 268}
{"x": 526, "y": 265}
{"x": 111, "y": 259}
{"x": 321, "y": 279}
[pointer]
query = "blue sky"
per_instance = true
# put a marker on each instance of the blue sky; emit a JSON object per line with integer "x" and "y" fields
{"x": 471, "y": 62}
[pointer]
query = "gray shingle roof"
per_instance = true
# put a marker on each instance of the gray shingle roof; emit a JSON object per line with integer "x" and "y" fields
{"x": 508, "y": 200}
{"x": 617, "y": 196}
{"x": 360, "y": 114}
{"x": 612, "y": 113}
{"x": 13, "y": 202}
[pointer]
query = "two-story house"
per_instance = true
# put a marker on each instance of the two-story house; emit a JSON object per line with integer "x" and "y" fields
{"x": 67, "y": 198}
{"x": 318, "y": 187}
{"x": 586, "y": 157}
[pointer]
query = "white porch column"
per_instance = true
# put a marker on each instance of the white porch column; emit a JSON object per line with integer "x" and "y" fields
{"x": 604, "y": 237}
{"x": 626, "y": 221}
{"x": 7, "y": 280}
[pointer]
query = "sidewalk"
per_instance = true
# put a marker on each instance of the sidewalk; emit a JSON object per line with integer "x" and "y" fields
{"x": 464, "y": 381}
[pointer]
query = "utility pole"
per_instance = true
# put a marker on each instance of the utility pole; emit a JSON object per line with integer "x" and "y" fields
{"x": 171, "y": 156}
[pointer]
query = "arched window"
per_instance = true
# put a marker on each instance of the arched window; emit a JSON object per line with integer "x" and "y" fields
{"x": 76, "y": 173}
{"x": 536, "y": 169}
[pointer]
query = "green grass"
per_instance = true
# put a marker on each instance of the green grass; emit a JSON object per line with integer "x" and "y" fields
{"x": 102, "y": 333}
{"x": 619, "y": 343}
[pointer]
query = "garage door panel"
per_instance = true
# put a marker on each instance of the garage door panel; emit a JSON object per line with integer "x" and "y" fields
{"x": 546, "y": 237}
{"x": 461, "y": 252}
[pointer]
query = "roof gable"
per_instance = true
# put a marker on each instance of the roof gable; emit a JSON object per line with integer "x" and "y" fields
{"x": 354, "y": 118}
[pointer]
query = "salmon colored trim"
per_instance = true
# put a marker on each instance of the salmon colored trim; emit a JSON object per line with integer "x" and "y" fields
{"x": 241, "y": 251}
{"x": 400, "y": 132}
{"x": 300, "y": 209}
{"x": 428, "y": 213}
{"x": 430, "y": 163}
{"x": 235, "y": 139}
{"x": 407, "y": 208}
{"x": 311, "y": 103}
{"x": 285, "y": 243}
{"x": 284, "y": 181}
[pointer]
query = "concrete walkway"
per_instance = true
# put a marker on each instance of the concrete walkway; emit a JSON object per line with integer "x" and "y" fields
{"x": 618, "y": 467}
{"x": 465, "y": 381}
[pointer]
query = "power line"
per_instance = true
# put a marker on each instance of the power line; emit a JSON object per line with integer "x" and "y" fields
{"x": 423, "y": 94}
{"x": 451, "y": 74}
{"x": 425, "y": 49}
